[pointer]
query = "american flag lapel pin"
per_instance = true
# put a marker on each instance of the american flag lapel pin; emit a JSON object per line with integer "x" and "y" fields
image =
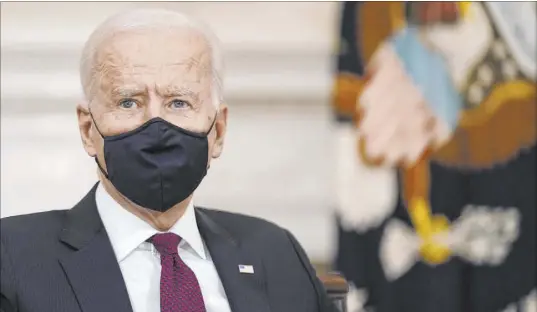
{"x": 246, "y": 269}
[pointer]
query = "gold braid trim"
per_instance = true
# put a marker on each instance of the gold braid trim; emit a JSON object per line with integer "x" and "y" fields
{"x": 496, "y": 131}
{"x": 345, "y": 93}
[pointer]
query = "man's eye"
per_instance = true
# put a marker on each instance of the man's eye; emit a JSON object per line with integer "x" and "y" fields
{"x": 178, "y": 104}
{"x": 127, "y": 104}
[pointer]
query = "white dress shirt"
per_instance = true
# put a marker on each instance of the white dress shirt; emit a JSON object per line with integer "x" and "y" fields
{"x": 140, "y": 262}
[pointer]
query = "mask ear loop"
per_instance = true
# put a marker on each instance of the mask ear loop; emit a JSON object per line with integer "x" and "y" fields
{"x": 212, "y": 125}
{"x": 209, "y": 131}
{"x": 95, "y": 157}
{"x": 95, "y": 123}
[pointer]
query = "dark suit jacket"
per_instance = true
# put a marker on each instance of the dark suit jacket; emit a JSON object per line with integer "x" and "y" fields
{"x": 62, "y": 261}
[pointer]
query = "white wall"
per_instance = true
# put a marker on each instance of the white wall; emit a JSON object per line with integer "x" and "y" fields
{"x": 277, "y": 159}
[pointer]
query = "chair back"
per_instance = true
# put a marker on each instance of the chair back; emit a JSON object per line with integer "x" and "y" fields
{"x": 337, "y": 288}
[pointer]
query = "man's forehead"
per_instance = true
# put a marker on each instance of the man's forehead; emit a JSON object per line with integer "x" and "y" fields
{"x": 168, "y": 57}
{"x": 155, "y": 47}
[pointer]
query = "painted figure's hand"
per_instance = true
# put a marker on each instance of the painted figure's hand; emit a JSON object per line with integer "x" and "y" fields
{"x": 397, "y": 124}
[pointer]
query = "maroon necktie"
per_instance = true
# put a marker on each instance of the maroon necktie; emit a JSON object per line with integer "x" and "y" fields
{"x": 179, "y": 288}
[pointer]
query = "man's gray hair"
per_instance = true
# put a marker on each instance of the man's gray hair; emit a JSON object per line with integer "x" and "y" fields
{"x": 147, "y": 19}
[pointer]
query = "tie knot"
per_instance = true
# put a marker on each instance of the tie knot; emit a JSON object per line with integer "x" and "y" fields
{"x": 166, "y": 243}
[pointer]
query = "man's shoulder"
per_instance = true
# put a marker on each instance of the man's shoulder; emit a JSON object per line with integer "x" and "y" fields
{"x": 243, "y": 225}
{"x": 37, "y": 225}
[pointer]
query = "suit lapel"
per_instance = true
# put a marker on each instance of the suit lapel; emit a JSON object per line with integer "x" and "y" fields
{"x": 246, "y": 292}
{"x": 92, "y": 268}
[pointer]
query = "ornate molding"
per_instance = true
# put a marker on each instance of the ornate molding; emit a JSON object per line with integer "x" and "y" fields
{"x": 284, "y": 54}
{"x": 49, "y": 74}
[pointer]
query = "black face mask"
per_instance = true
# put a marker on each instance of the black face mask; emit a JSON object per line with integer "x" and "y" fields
{"x": 156, "y": 165}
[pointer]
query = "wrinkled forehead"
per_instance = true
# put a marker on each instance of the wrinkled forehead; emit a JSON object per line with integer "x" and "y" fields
{"x": 163, "y": 57}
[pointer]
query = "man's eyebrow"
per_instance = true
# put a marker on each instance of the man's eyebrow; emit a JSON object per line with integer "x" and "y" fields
{"x": 128, "y": 92}
{"x": 178, "y": 91}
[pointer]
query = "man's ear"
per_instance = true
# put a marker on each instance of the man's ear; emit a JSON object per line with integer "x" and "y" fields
{"x": 221, "y": 128}
{"x": 85, "y": 127}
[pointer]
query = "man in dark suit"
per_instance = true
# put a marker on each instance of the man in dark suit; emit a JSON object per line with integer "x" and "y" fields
{"x": 153, "y": 118}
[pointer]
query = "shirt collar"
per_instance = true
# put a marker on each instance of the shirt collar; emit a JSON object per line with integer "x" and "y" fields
{"x": 126, "y": 231}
